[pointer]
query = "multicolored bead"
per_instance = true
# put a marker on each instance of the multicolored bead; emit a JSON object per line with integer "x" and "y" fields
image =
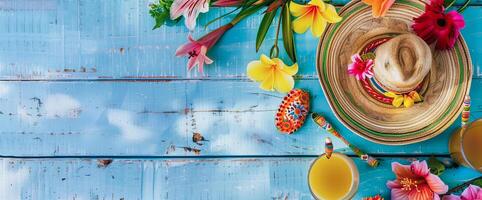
{"x": 292, "y": 112}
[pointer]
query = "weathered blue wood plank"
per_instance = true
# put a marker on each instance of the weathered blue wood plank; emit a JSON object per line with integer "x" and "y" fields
{"x": 151, "y": 118}
{"x": 99, "y": 39}
{"x": 208, "y": 179}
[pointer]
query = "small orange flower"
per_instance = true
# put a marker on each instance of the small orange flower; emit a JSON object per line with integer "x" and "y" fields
{"x": 378, "y": 197}
{"x": 379, "y": 7}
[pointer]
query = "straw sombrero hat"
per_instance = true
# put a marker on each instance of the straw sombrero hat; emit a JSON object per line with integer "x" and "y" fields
{"x": 442, "y": 78}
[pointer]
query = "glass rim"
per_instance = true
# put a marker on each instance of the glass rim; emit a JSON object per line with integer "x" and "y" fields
{"x": 462, "y": 149}
{"x": 354, "y": 173}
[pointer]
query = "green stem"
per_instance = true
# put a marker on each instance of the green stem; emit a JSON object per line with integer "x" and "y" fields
{"x": 246, "y": 12}
{"x": 218, "y": 18}
{"x": 460, "y": 187}
{"x": 461, "y": 9}
{"x": 450, "y": 5}
{"x": 275, "y": 45}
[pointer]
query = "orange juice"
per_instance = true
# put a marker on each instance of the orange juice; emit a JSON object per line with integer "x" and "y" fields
{"x": 334, "y": 178}
{"x": 465, "y": 145}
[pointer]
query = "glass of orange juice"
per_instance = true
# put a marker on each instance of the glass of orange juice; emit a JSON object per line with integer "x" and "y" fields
{"x": 465, "y": 145}
{"x": 334, "y": 178}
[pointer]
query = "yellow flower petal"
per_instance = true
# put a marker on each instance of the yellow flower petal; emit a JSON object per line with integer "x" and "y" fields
{"x": 319, "y": 25}
{"x": 268, "y": 83}
{"x": 319, "y": 3}
{"x": 408, "y": 101}
{"x": 280, "y": 65}
{"x": 302, "y": 23}
{"x": 397, "y": 101}
{"x": 283, "y": 82}
{"x": 258, "y": 71}
{"x": 390, "y": 94}
{"x": 415, "y": 96}
{"x": 330, "y": 14}
{"x": 273, "y": 76}
{"x": 266, "y": 60}
{"x": 290, "y": 70}
{"x": 297, "y": 9}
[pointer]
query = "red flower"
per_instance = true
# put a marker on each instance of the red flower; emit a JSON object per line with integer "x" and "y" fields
{"x": 437, "y": 26}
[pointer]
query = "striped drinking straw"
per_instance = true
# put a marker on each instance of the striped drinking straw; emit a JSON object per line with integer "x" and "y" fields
{"x": 321, "y": 121}
{"x": 328, "y": 147}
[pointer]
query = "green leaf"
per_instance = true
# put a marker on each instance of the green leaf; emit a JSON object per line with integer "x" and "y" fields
{"x": 288, "y": 39}
{"x": 160, "y": 12}
{"x": 367, "y": 56}
{"x": 436, "y": 167}
{"x": 160, "y": 19}
{"x": 264, "y": 27}
{"x": 245, "y": 12}
{"x": 222, "y": 16}
{"x": 478, "y": 182}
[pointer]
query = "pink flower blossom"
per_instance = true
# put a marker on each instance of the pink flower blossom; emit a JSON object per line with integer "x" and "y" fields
{"x": 472, "y": 192}
{"x": 196, "y": 49}
{"x": 190, "y": 9}
{"x": 360, "y": 68}
{"x": 415, "y": 181}
{"x": 196, "y": 53}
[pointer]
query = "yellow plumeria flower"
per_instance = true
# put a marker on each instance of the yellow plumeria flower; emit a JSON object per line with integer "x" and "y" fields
{"x": 408, "y": 100}
{"x": 272, "y": 73}
{"x": 315, "y": 14}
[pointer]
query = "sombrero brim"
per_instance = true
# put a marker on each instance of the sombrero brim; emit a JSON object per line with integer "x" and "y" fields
{"x": 449, "y": 79}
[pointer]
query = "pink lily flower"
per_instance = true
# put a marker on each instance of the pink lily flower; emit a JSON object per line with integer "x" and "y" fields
{"x": 196, "y": 53}
{"x": 196, "y": 49}
{"x": 472, "y": 192}
{"x": 190, "y": 9}
{"x": 415, "y": 181}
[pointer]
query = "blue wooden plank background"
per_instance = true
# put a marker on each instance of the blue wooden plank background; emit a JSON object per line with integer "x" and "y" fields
{"x": 84, "y": 79}
{"x": 221, "y": 178}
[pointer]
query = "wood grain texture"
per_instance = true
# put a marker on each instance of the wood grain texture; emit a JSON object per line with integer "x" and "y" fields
{"x": 111, "y": 39}
{"x": 208, "y": 179}
{"x": 150, "y": 118}
{"x": 110, "y": 86}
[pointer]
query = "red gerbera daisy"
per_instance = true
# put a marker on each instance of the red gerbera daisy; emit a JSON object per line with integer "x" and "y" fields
{"x": 437, "y": 26}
